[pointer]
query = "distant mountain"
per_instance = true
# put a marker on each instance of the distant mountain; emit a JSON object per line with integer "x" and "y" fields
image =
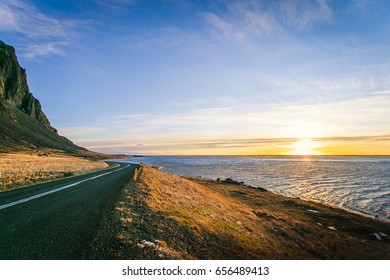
{"x": 23, "y": 124}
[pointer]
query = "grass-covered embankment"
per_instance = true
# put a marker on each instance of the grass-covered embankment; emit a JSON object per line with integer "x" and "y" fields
{"x": 164, "y": 216}
{"x": 22, "y": 169}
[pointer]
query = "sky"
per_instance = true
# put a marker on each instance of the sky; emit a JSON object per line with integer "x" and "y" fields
{"x": 192, "y": 77}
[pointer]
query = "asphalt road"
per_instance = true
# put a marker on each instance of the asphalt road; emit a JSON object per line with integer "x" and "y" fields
{"x": 58, "y": 220}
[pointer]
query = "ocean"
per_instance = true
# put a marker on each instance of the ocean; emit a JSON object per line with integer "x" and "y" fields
{"x": 355, "y": 183}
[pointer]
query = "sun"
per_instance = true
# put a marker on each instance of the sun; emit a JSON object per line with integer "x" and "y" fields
{"x": 304, "y": 147}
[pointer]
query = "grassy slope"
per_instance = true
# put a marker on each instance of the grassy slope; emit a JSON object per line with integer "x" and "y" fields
{"x": 163, "y": 216}
{"x": 20, "y": 133}
{"x": 31, "y": 154}
{"x": 21, "y": 170}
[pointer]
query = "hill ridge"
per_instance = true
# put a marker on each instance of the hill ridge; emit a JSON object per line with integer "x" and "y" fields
{"x": 23, "y": 124}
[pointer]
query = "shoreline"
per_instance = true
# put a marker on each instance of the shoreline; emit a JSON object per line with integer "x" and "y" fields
{"x": 361, "y": 195}
{"x": 165, "y": 216}
{"x": 356, "y": 212}
{"x": 364, "y": 215}
{"x": 243, "y": 184}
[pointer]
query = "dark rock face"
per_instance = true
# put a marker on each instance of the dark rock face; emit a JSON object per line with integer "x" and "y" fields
{"x": 14, "y": 91}
{"x": 23, "y": 125}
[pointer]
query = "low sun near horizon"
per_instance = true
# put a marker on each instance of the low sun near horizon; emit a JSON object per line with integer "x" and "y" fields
{"x": 304, "y": 147}
{"x": 209, "y": 77}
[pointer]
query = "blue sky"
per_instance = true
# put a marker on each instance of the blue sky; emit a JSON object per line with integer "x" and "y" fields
{"x": 208, "y": 77}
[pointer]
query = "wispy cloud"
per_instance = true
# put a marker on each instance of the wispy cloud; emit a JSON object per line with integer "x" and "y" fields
{"x": 45, "y": 35}
{"x": 8, "y": 18}
{"x": 311, "y": 88}
{"x": 231, "y": 145}
{"x": 241, "y": 22}
{"x": 304, "y": 13}
{"x": 366, "y": 9}
{"x": 44, "y": 49}
{"x": 245, "y": 21}
{"x": 382, "y": 92}
{"x": 116, "y": 6}
{"x": 239, "y": 129}
{"x": 365, "y": 138}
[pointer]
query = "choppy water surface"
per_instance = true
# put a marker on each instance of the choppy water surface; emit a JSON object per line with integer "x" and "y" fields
{"x": 359, "y": 184}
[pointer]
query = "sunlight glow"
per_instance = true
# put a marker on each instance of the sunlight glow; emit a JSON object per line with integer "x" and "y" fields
{"x": 304, "y": 147}
{"x": 304, "y": 130}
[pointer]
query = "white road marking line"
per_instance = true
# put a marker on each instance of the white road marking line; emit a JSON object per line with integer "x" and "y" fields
{"x": 56, "y": 190}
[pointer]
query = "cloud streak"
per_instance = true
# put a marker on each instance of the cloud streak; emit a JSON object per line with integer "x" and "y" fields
{"x": 247, "y": 21}
{"x": 303, "y": 14}
{"x": 232, "y": 129}
{"x": 230, "y": 146}
{"x": 116, "y": 6}
{"x": 45, "y": 35}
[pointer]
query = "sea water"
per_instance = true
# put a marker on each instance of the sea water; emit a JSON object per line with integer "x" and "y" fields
{"x": 359, "y": 184}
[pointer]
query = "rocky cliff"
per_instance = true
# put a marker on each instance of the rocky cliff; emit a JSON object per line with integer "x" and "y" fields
{"x": 14, "y": 91}
{"x": 23, "y": 125}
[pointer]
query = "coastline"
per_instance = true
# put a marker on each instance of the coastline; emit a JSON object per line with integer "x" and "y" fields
{"x": 165, "y": 216}
{"x": 353, "y": 184}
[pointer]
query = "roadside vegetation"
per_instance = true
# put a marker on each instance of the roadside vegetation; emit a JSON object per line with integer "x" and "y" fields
{"x": 164, "y": 216}
{"x": 21, "y": 170}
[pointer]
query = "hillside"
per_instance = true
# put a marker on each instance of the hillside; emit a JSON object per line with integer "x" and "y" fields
{"x": 165, "y": 216}
{"x": 23, "y": 124}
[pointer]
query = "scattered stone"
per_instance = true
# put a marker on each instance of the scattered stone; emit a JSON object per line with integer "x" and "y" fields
{"x": 145, "y": 243}
{"x": 233, "y": 182}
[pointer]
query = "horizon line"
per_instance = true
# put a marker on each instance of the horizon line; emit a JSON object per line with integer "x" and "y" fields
{"x": 276, "y": 155}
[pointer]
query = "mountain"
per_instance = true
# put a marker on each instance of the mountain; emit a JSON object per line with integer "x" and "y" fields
{"x": 23, "y": 124}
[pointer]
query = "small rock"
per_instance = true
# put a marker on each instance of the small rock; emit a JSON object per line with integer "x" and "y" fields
{"x": 231, "y": 181}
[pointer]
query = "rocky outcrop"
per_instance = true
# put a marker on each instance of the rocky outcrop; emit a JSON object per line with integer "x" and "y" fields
{"x": 14, "y": 91}
{"x": 23, "y": 125}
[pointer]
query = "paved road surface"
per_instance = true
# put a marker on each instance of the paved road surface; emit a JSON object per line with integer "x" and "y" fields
{"x": 58, "y": 220}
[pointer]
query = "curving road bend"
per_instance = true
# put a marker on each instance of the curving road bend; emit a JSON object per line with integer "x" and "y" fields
{"x": 58, "y": 220}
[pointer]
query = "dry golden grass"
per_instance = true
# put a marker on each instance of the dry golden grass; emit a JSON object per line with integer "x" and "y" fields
{"x": 164, "y": 216}
{"x": 20, "y": 170}
{"x": 202, "y": 209}
{"x": 198, "y": 207}
{"x": 262, "y": 224}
